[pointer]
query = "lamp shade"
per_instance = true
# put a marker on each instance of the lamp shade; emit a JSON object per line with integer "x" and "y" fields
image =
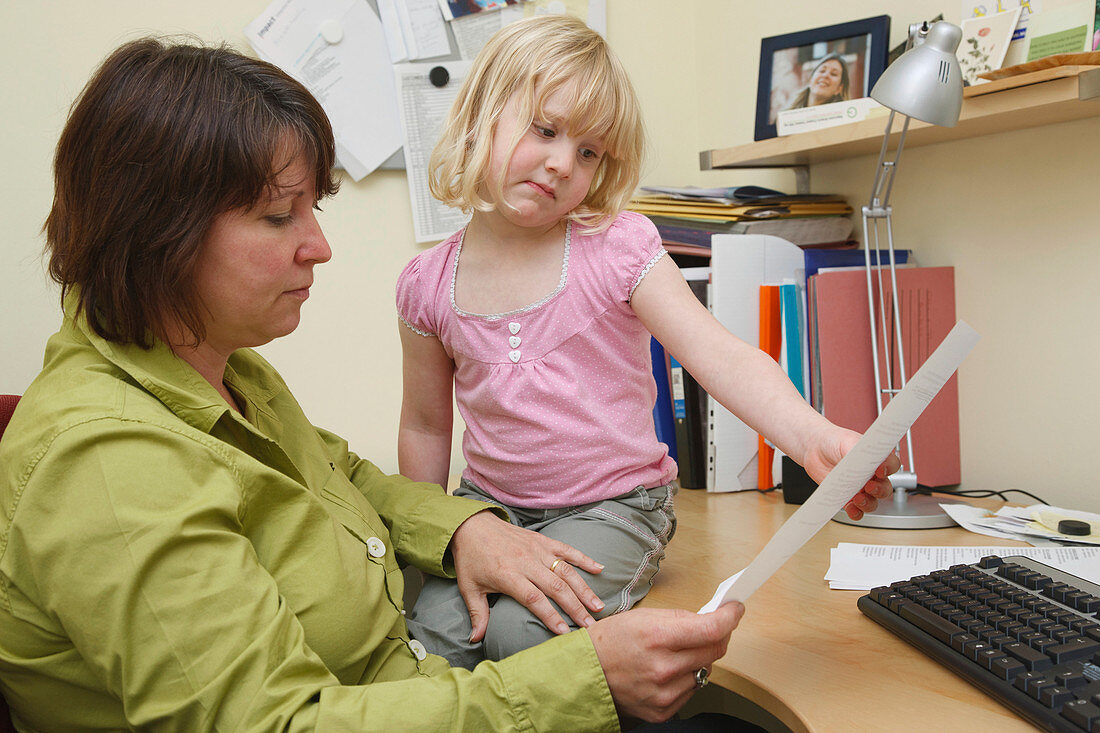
{"x": 925, "y": 82}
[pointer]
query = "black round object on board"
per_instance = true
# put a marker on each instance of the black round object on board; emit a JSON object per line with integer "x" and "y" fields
{"x": 439, "y": 76}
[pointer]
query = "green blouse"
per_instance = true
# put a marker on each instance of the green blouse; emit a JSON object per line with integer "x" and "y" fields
{"x": 169, "y": 564}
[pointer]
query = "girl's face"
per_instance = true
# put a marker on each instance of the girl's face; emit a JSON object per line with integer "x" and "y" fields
{"x": 551, "y": 169}
{"x": 826, "y": 79}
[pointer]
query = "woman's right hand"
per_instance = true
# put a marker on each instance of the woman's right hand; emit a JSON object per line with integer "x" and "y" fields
{"x": 649, "y": 656}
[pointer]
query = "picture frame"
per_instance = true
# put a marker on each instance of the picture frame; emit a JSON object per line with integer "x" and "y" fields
{"x": 856, "y": 52}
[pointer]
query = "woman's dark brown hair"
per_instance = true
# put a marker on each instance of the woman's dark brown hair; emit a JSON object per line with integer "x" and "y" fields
{"x": 163, "y": 138}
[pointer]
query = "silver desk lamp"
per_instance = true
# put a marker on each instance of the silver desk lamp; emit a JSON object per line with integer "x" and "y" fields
{"x": 925, "y": 83}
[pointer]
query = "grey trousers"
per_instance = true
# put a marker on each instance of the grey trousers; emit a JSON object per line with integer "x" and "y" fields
{"x": 627, "y": 534}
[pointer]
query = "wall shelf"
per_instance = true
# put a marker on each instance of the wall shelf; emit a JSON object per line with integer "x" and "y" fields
{"x": 1047, "y": 101}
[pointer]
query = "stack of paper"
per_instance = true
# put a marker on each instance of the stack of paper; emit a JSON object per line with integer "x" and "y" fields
{"x": 688, "y": 217}
{"x": 863, "y": 567}
{"x": 1037, "y": 524}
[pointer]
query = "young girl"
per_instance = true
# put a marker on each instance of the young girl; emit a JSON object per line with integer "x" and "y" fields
{"x": 539, "y": 313}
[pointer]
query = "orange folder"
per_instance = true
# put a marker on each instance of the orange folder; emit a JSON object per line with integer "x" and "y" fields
{"x": 771, "y": 343}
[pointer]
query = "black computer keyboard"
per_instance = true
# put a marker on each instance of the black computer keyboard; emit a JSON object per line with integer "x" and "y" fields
{"x": 1024, "y": 632}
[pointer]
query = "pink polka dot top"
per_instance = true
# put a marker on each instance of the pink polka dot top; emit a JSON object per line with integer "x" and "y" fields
{"x": 557, "y": 396}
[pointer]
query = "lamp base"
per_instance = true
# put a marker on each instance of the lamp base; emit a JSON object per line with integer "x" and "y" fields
{"x": 904, "y": 511}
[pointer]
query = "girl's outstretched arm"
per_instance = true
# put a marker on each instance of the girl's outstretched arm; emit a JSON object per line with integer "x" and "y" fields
{"x": 427, "y": 418}
{"x": 748, "y": 382}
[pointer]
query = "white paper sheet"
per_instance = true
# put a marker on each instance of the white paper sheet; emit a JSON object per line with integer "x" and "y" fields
{"x": 852, "y": 472}
{"x": 974, "y": 519}
{"x": 415, "y": 29}
{"x": 423, "y": 111}
{"x": 863, "y": 567}
{"x": 338, "y": 50}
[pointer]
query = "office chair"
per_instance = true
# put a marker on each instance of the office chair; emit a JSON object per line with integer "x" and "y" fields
{"x": 7, "y": 407}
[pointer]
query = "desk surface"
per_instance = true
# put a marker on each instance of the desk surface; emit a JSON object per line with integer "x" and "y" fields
{"x": 803, "y": 652}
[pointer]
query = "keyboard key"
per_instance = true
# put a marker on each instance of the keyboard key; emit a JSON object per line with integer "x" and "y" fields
{"x": 1072, "y": 650}
{"x": 1088, "y": 604}
{"x": 1058, "y": 591}
{"x": 929, "y": 622}
{"x": 1036, "y": 689}
{"x": 990, "y": 561}
{"x": 986, "y": 657}
{"x": 1040, "y": 623}
{"x": 1008, "y": 570}
{"x": 959, "y": 641}
{"x": 1055, "y": 696}
{"x": 1033, "y": 659}
{"x": 1028, "y": 680}
{"x": 1042, "y": 644}
{"x": 1007, "y": 668}
{"x": 1090, "y": 692}
{"x": 1062, "y": 616}
{"x": 975, "y": 648}
{"x": 1081, "y": 713}
{"x": 1071, "y": 680}
{"x": 1038, "y": 582}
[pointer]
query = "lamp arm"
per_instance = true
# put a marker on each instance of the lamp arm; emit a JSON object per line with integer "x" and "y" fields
{"x": 886, "y": 169}
{"x": 878, "y": 211}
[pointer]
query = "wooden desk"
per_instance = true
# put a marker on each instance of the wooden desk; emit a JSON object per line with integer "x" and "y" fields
{"x": 803, "y": 652}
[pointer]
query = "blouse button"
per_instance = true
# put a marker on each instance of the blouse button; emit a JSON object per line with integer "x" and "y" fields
{"x": 514, "y": 341}
{"x": 514, "y": 355}
{"x": 513, "y": 327}
{"x": 375, "y": 547}
{"x": 418, "y": 650}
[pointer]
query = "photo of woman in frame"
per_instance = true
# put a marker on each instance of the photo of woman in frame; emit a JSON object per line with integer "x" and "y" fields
{"x": 806, "y": 76}
{"x": 818, "y": 66}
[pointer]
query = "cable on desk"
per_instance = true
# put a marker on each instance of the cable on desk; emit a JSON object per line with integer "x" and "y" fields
{"x": 981, "y": 493}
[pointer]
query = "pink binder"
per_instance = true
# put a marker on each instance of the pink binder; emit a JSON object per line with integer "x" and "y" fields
{"x": 927, "y": 304}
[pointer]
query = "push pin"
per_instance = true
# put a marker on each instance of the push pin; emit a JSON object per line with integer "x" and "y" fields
{"x": 439, "y": 76}
{"x": 332, "y": 32}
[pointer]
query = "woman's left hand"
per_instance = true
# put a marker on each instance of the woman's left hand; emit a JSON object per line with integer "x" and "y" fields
{"x": 827, "y": 452}
{"x": 493, "y": 556}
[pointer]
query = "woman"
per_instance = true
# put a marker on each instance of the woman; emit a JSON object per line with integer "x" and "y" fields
{"x": 181, "y": 549}
{"x": 828, "y": 83}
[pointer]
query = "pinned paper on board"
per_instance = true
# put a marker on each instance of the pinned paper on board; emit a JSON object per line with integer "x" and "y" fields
{"x": 337, "y": 49}
{"x": 424, "y": 107}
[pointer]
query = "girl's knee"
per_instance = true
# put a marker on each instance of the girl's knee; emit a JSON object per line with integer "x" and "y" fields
{"x": 512, "y": 628}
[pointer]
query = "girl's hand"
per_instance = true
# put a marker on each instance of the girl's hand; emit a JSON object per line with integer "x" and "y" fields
{"x": 493, "y": 556}
{"x": 826, "y": 452}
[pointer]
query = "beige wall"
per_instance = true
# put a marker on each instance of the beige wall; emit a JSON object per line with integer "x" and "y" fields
{"x": 1015, "y": 213}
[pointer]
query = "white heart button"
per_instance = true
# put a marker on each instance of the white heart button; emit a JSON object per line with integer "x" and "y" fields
{"x": 513, "y": 327}
{"x": 514, "y": 341}
{"x": 514, "y": 355}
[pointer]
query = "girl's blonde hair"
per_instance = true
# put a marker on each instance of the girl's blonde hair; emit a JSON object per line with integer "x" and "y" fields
{"x": 534, "y": 59}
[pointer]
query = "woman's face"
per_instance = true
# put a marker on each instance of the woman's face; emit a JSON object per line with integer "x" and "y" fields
{"x": 255, "y": 266}
{"x": 825, "y": 82}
